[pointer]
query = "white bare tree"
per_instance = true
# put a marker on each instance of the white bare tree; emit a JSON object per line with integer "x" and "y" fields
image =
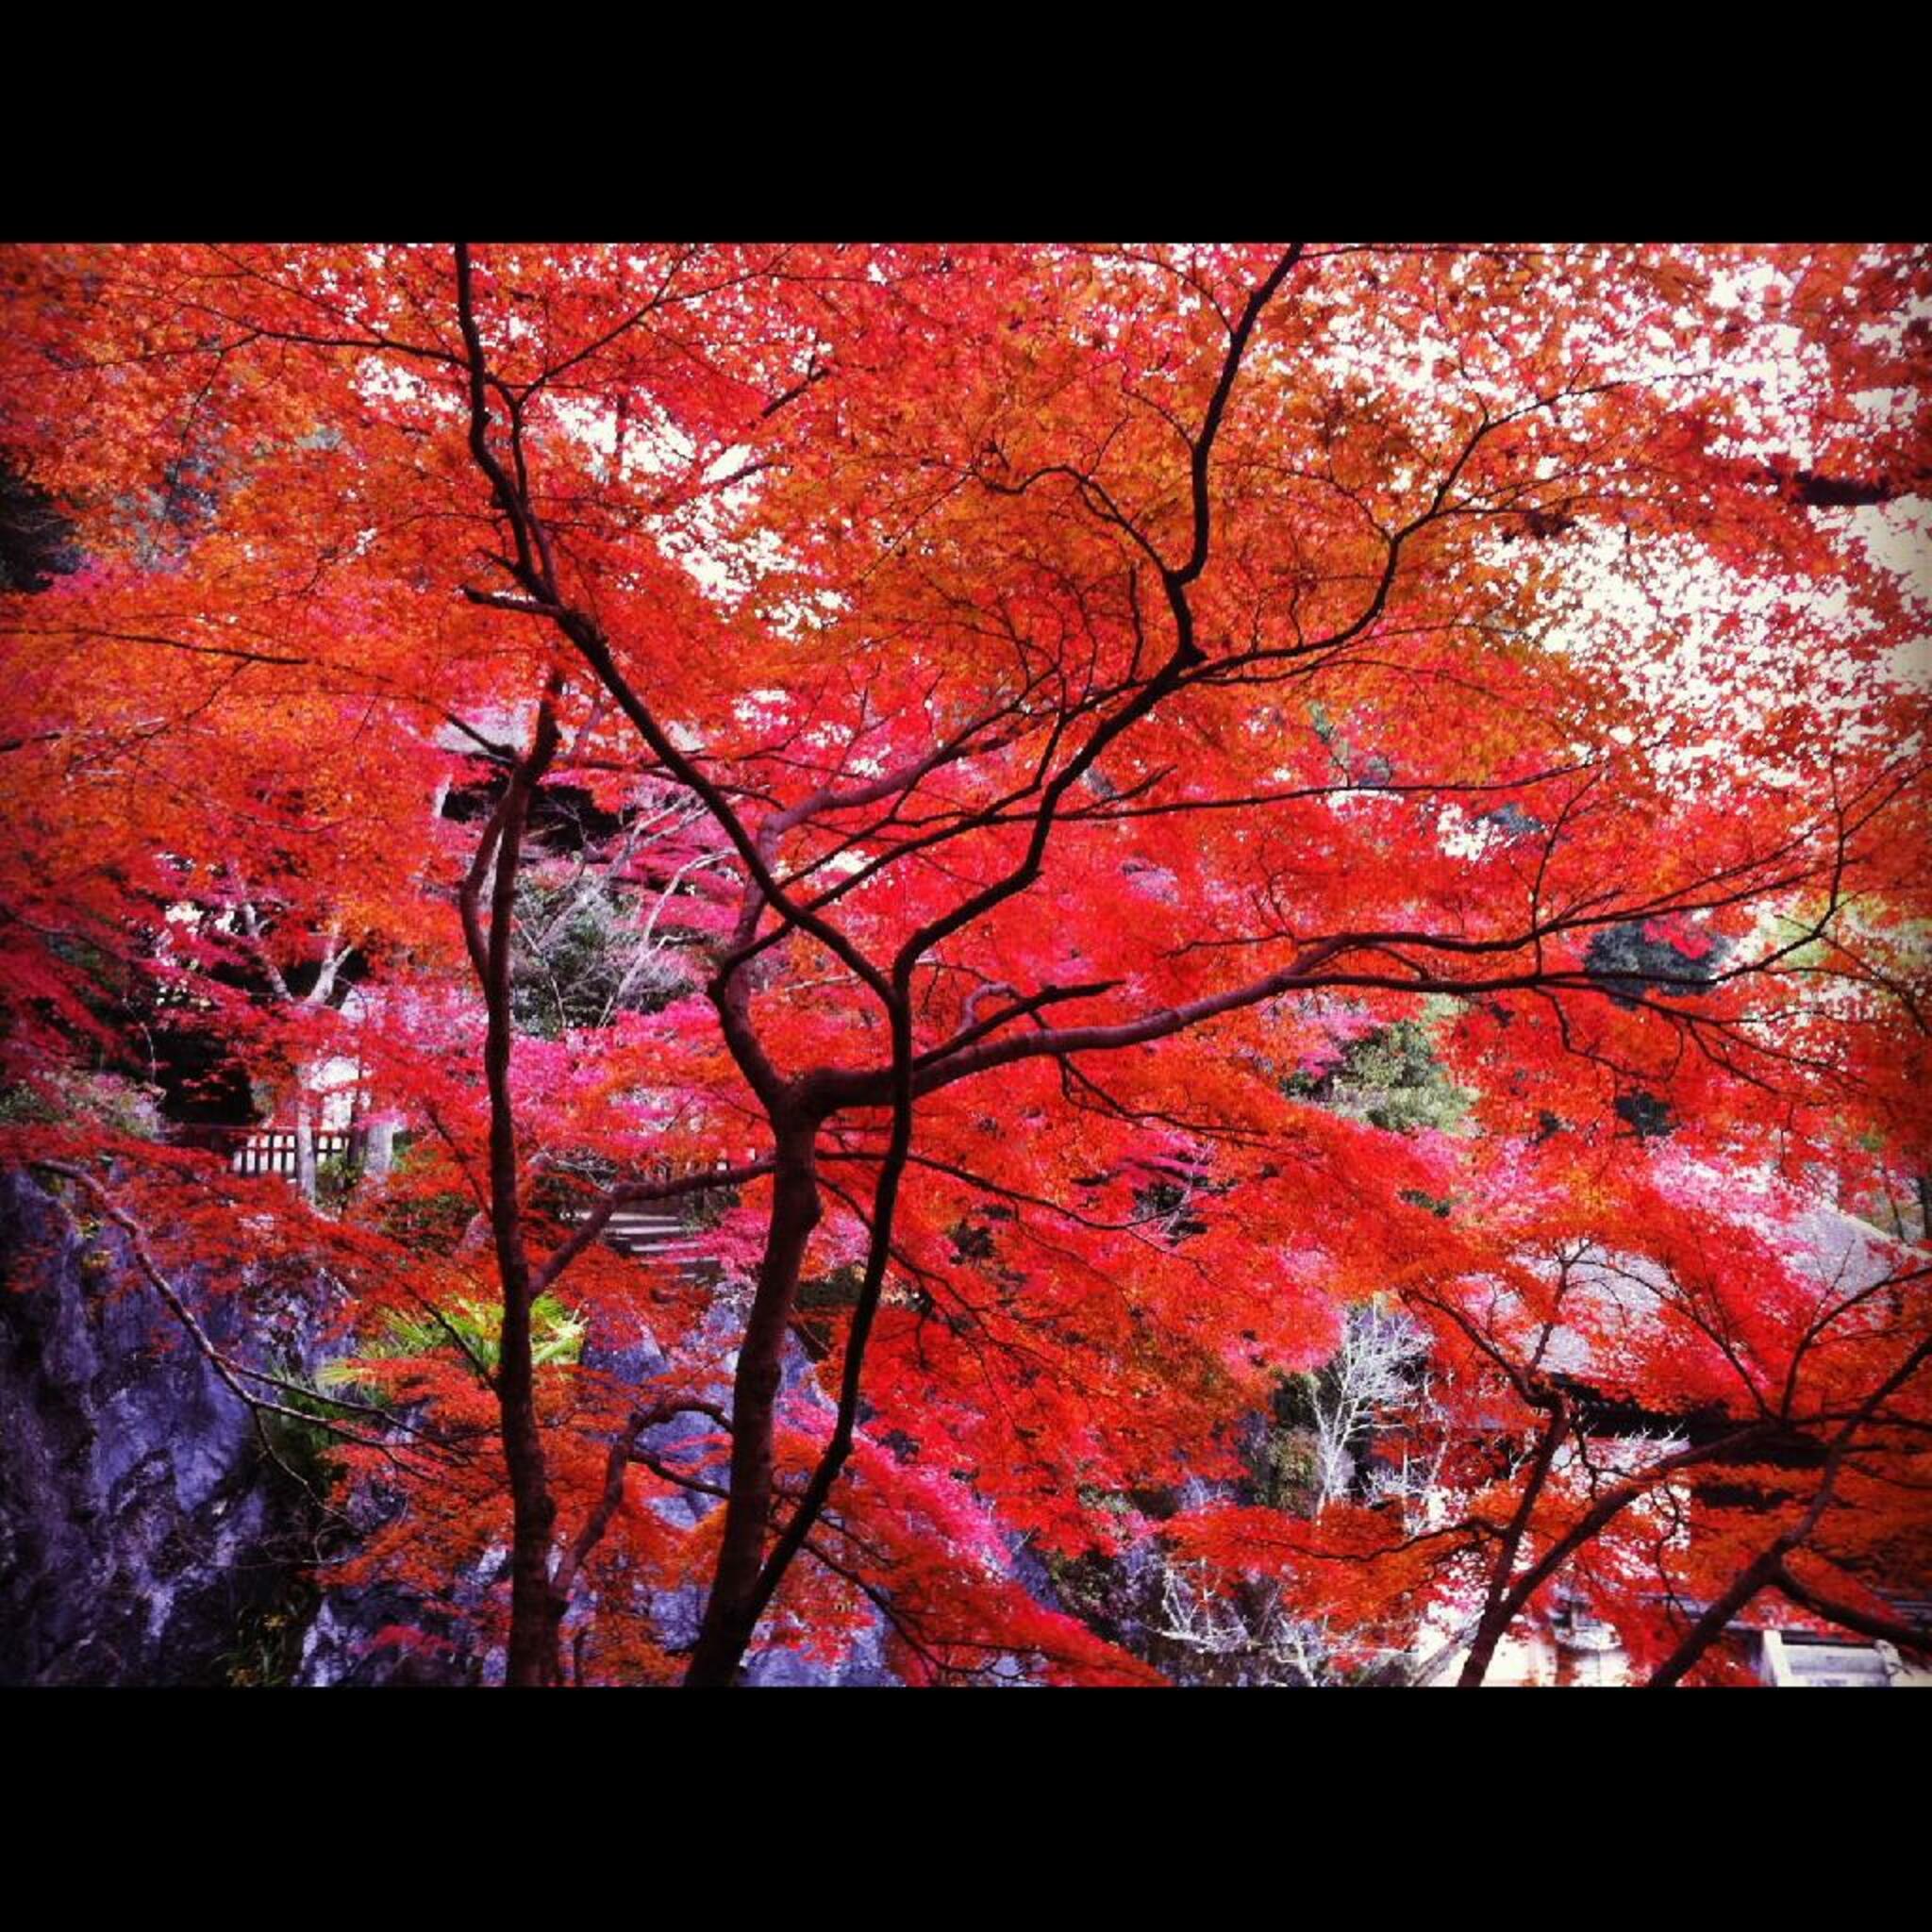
{"x": 1272, "y": 1645}
{"x": 1370, "y": 1380}
{"x": 1376, "y": 1377}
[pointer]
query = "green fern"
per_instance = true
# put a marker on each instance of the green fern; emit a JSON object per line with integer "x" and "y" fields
{"x": 556, "y": 1337}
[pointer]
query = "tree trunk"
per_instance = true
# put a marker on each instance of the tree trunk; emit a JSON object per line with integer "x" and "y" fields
{"x": 1499, "y": 1610}
{"x": 535, "y": 1612}
{"x": 536, "y": 1606}
{"x": 536, "y": 1615}
{"x": 731, "y": 1611}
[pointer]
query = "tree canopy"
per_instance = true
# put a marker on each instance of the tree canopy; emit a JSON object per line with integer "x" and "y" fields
{"x": 1092, "y": 813}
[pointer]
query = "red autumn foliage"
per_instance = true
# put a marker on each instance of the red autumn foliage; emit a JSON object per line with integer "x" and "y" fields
{"x": 975, "y": 739}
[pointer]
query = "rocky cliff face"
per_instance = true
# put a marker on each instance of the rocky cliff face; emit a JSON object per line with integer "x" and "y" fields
{"x": 145, "y": 1536}
{"x": 139, "y": 1533}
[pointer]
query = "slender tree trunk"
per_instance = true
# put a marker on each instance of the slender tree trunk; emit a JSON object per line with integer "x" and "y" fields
{"x": 535, "y": 1612}
{"x": 536, "y": 1606}
{"x": 807, "y": 1510}
{"x": 536, "y": 1615}
{"x": 1498, "y": 1610}
{"x": 731, "y": 1611}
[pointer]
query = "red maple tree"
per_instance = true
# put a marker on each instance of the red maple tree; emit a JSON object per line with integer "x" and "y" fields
{"x": 1025, "y": 713}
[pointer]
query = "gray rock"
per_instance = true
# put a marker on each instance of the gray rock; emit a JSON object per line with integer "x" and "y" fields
{"x": 347, "y": 1643}
{"x": 140, "y": 1528}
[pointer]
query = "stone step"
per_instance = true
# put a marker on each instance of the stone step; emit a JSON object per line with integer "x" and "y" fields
{"x": 636, "y": 1217}
{"x": 638, "y": 1234}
